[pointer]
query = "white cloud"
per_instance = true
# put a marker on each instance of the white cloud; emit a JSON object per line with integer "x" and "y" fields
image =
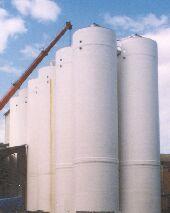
{"x": 10, "y": 26}
{"x": 9, "y": 69}
{"x": 30, "y": 51}
{"x": 23, "y": 6}
{"x": 42, "y": 10}
{"x": 162, "y": 37}
{"x": 139, "y": 24}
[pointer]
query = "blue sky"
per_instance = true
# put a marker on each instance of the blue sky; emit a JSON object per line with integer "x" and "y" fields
{"x": 27, "y": 26}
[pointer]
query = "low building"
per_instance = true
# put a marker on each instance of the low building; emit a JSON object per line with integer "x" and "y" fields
{"x": 165, "y": 182}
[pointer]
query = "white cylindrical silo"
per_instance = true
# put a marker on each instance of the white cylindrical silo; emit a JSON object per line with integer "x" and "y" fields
{"x": 139, "y": 126}
{"x": 14, "y": 122}
{"x": 7, "y": 127}
{"x": 18, "y": 117}
{"x": 46, "y": 150}
{"x": 33, "y": 127}
{"x": 23, "y": 115}
{"x": 96, "y": 157}
{"x": 64, "y": 131}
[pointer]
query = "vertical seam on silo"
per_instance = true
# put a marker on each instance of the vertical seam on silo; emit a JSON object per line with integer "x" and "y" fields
{"x": 52, "y": 150}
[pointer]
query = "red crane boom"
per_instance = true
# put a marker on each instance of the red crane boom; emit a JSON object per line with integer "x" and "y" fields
{"x": 34, "y": 64}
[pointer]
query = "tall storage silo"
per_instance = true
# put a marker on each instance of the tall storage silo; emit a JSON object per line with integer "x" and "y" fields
{"x": 139, "y": 126}
{"x": 14, "y": 122}
{"x": 96, "y": 157}
{"x": 33, "y": 127}
{"x": 23, "y": 114}
{"x": 7, "y": 126}
{"x": 46, "y": 149}
{"x": 64, "y": 131}
{"x": 18, "y": 117}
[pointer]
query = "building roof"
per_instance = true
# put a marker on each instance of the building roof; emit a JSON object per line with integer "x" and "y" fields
{"x": 165, "y": 157}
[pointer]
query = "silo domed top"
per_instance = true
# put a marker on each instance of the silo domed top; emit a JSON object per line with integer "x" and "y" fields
{"x": 33, "y": 85}
{"x": 63, "y": 55}
{"x": 94, "y": 35}
{"x": 14, "y": 101}
{"x": 46, "y": 71}
{"x": 95, "y": 25}
{"x": 137, "y": 44}
{"x": 23, "y": 92}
